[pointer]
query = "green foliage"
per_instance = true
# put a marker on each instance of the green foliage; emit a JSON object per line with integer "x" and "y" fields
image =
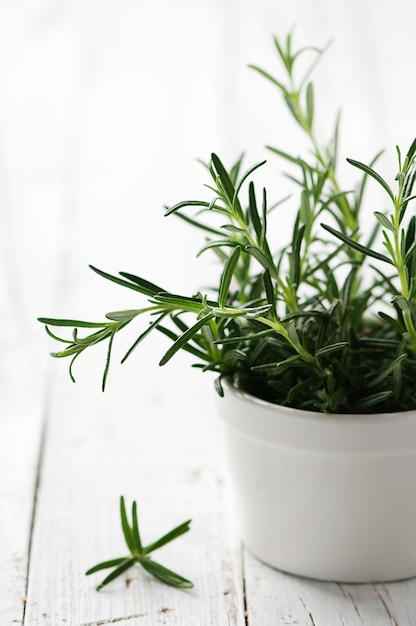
{"x": 325, "y": 321}
{"x": 140, "y": 554}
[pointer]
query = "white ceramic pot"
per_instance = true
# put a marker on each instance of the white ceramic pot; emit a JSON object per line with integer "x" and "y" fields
{"x": 330, "y": 497}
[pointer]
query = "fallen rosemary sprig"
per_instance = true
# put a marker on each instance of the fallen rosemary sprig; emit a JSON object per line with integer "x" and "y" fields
{"x": 140, "y": 554}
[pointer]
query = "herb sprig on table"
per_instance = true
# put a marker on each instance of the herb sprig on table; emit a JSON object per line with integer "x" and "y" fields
{"x": 140, "y": 554}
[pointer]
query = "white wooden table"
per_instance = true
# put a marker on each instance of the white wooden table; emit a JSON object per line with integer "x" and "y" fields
{"x": 68, "y": 453}
{"x": 104, "y": 106}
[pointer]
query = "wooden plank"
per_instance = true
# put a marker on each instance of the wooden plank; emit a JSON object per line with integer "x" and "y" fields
{"x": 279, "y": 598}
{"x": 400, "y": 601}
{"x": 20, "y": 439}
{"x": 159, "y": 447}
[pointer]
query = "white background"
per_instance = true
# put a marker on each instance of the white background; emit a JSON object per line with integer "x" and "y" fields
{"x": 105, "y": 107}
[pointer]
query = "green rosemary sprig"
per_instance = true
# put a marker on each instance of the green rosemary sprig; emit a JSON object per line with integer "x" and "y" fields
{"x": 141, "y": 554}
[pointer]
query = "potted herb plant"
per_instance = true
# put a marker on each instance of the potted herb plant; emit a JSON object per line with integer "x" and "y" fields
{"x": 313, "y": 344}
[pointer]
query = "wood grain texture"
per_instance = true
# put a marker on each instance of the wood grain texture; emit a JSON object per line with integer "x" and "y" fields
{"x": 96, "y": 451}
{"x": 277, "y": 598}
{"x": 20, "y": 434}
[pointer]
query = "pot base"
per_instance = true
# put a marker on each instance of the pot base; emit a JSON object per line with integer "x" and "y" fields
{"x": 329, "y": 580}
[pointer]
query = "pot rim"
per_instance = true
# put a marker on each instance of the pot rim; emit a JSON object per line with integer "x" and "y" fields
{"x": 310, "y": 431}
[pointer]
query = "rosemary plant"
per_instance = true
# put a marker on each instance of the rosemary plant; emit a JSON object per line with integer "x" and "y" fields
{"x": 325, "y": 321}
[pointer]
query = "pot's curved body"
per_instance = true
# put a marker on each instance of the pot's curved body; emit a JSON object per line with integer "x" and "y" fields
{"x": 331, "y": 497}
